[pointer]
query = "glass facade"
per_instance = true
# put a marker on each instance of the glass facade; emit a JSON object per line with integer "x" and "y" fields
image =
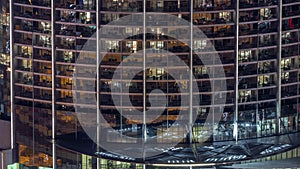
{"x": 257, "y": 42}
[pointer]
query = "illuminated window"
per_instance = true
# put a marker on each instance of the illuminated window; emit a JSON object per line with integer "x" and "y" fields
{"x": 244, "y": 55}
{"x": 200, "y": 44}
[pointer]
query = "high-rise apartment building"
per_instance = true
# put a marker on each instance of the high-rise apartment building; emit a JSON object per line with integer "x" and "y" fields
{"x": 4, "y": 61}
{"x": 257, "y": 44}
{"x": 5, "y": 153}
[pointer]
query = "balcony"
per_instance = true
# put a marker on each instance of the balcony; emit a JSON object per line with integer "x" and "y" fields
{"x": 71, "y": 46}
{"x": 220, "y": 33}
{"x": 68, "y": 60}
{"x": 261, "y": 3}
{"x": 224, "y": 48}
{"x": 217, "y": 21}
{"x": 43, "y": 83}
{"x": 67, "y": 85}
{"x": 289, "y": 52}
{"x": 27, "y": 80}
{"x": 43, "y": 3}
{"x": 172, "y": 8}
{"x": 25, "y": 40}
{"x": 247, "y": 18}
{"x": 266, "y": 27}
{"x": 44, "y": 96}
{"x": 73, "y": 6}
{"x": 247, "y": 107}
{"x": 73, "y": 18}
{"x": 288, "y": 93}
{"x": 267, "y": 96}
{"x": 34, "y": 29}
{"x": 150, "y": 87}
{"x": 42, "y": 41}
{"x": 41, "y": 15}
{"x": 248, "y": 84}
{"x": 247, "y": 5}
{"x": 25, "y": 93}
{"x": 123, "y": 7}
{"x": 65, "y": 72}
{"x": 179, "y": 49}
{"x": 173, "y": 103}
{"x": 248, "y": 98}
{"x": 246, "y": 70}
{"x": 290, "y": 39}
{"x": 205, "y": 100}
{"x": 247, "y": 31}
{"x": 246, "y": 60}
{"x": 24, "y": 68}
{"x": 78, "y": 31}
{"x": 106, "y": 100}
{"x": 65, "y": 107}
{"x": 247, "y": 45}
{"x": 289, "y": 77}
{"x": 67, "y": 99}
{"x": 289, "y": 1}
{"x": 266, "y": 83}
{"x": 45, "y": 56}
{"x": 267, "y": 43}
{"x": 204, "y": 88}
{"x": 216, "y": 7}
{"x": 266, "y": 70}
{"x": 290, "y": 24}
{"x": 290, "y": 13}
{"x": 134, "y": 89}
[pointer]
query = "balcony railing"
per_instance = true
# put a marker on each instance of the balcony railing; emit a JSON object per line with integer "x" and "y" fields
{"x": 266, "y": 96}
{"x": 31, "y": 15}
{"x": 266, "y": 70}
{"x": 43, "y": 83}
{"x": 43, "y": 57}
{"x": 288, "y": 1}
{"x": 73, "y": 19}
{"x": 245, "y": 72}
{"x": 26, "y": 41}
{"x": 45, "y": 3}
{"x": 43, "y": 96}
{"x": 289, "y": 53}
{"x": 248, "y": 32}
{"x": 290, "y": 13}
{"x": 131, "y": 8}
{"x": 248, "y": 98}
{"x": 267, "y": 43}
{"x": 289, "y": 80}
{"x": 167, "y": 9}
{"x": 259, "y": 4}
{"x": 75, "y": 7}
{"x": 288, "y": 93}
{"x": 264, "y": 29}
{"x": 27, "y": 94}
{"x": 247, "y": 45}
{"x": 28, "y": 69}
{"x": 79, "y": 32}
{"x": 248, "y": 18}
{"x": 266, "y": 84}
{"x": 289, "y": 40}
{"x": 247, "y": 85}
{"x": 214, "y": 8}
{"x": 222, "y": 33}
{"x": 32, "y": 29}
{"x": 212, "y": 22}
{"x": 266, "y": 57}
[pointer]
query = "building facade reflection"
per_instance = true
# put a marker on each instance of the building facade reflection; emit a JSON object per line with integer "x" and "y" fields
{"x": 257, "y": 42}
